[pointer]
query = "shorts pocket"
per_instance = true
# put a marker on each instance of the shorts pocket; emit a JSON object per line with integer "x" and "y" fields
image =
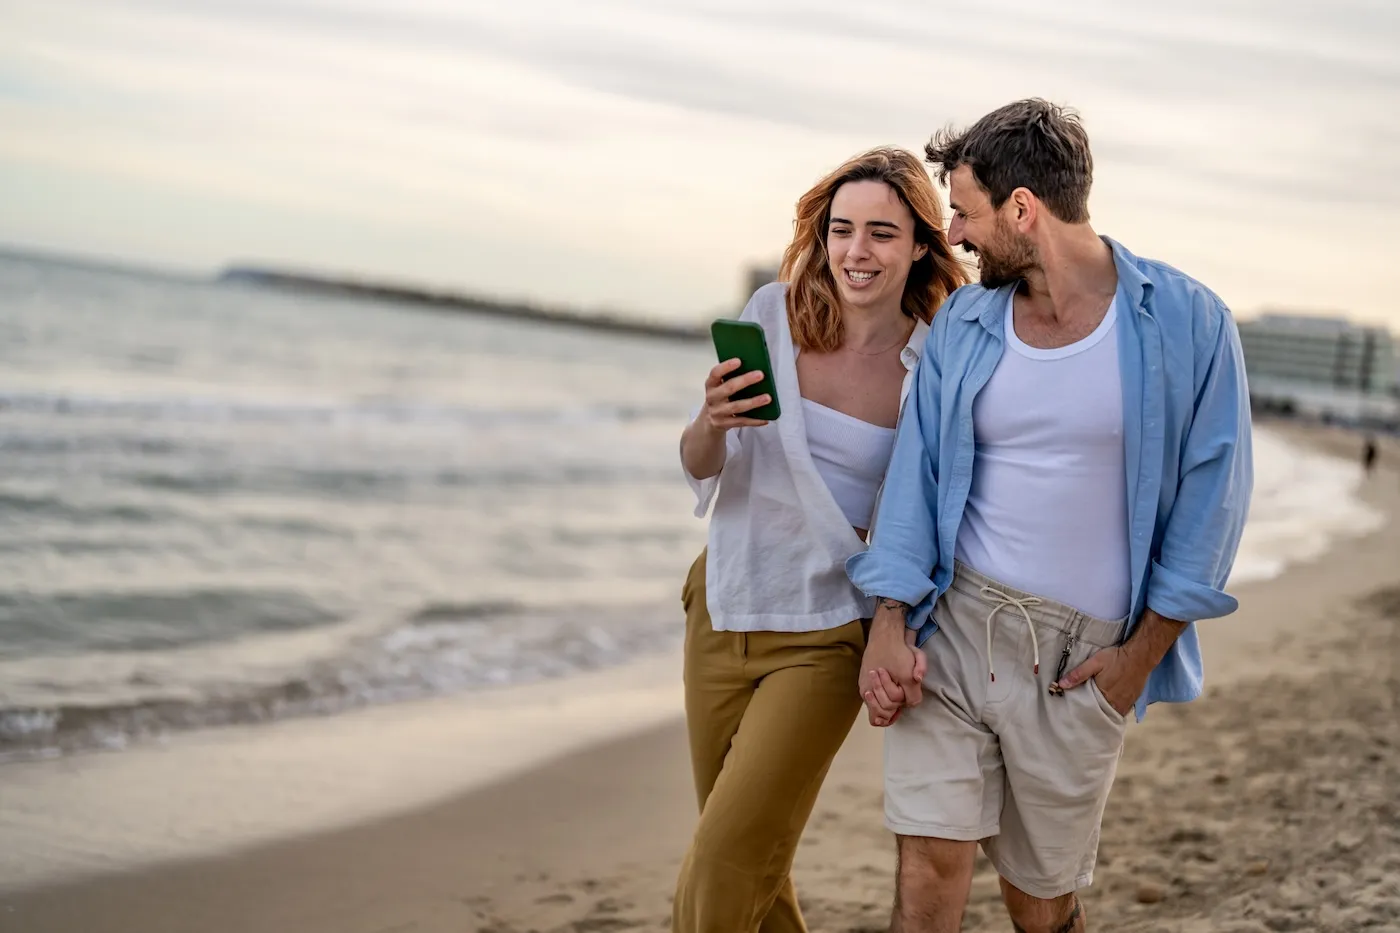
{"x": 1104, "y": 706}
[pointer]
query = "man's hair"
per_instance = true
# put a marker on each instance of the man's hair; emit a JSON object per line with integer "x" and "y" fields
{"x": 1030, "y": 144}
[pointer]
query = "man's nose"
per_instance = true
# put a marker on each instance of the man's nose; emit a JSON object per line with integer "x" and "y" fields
{"x": 955, "y": 232}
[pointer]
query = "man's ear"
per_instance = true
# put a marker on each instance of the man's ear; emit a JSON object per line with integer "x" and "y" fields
{"x": 1025, "y": 208}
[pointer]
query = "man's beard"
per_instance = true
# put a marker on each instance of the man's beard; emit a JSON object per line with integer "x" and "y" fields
{"x": 1004, "y": 260}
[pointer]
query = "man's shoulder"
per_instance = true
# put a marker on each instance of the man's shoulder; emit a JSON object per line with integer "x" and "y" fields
{"x": 963, "y": 305}
{"x": 1176, "y": 294}
{"x": 949, "y": 317}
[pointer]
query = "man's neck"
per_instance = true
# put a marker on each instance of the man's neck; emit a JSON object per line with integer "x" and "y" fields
{"x": 1076, "y": 276}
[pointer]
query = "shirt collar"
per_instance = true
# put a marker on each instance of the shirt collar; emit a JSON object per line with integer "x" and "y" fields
{"x": 990, "y": 305}
{"x": 914, "y": 349}
{"x": 1130, "y": 278}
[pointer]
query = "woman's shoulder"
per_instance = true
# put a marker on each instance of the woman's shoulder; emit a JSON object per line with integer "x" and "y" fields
{"x": 767, "y": 304}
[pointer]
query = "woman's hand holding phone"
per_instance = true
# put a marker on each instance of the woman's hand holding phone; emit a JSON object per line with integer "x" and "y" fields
{"x": 719, "y": 413}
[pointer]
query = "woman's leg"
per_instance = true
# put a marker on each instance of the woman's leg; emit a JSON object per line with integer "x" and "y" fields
{"x": 716, "y": 690}
{"x": 735, "y": 877}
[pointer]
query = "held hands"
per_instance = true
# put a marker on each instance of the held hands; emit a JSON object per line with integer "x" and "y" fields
{"x": 719, "y": 414}
{"x": 892, "y": 674}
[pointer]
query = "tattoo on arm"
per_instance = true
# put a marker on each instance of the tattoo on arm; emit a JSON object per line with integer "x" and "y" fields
{"x": 894, "y": 605}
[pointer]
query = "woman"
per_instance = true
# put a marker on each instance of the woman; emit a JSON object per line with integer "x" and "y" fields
{"x": 774, "y": 631}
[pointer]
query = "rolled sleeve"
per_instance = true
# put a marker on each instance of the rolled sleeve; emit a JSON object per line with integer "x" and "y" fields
{"x": 705, "y": 489}
{"x": 878, "y": 573}
{"x": 1174, "y": 596}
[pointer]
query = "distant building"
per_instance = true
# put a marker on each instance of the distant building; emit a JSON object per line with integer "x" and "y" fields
{"x": 1325, "y": 367}
{"x": 755, "y": 277}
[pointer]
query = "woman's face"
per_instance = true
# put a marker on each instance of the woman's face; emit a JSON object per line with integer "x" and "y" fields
{"x": 870, "y": 244}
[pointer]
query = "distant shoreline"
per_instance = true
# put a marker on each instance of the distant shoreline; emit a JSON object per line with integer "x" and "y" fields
{"x": 456, "y": 302}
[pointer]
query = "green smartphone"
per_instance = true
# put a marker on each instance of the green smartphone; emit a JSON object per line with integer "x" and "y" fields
{"x": 744, "y": 340}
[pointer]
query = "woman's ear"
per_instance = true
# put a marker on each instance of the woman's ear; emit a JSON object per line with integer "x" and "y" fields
{"x": 920, "y": 251}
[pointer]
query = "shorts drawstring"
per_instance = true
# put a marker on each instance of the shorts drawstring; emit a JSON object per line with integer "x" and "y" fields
{"x": 1003, "y": 600}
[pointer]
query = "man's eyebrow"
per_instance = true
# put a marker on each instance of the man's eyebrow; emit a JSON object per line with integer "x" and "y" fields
{"x": 954, "y": 205}
{"x": 874, "y": 223}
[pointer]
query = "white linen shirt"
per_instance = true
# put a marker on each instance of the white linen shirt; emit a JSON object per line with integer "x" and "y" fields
{"x": 778, "y": 542}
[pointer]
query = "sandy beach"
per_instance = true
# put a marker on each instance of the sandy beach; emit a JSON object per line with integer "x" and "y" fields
{"x": 1271, "y": 804}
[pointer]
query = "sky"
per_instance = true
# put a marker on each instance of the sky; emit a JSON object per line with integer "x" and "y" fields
{"x": 637, "y": 155}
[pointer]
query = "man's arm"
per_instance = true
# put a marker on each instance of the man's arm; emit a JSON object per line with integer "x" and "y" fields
{"x": 1187, "y": 581}
{"x": 904, "y": 542}
{"x": 1202, "y": 534}
{"x": 904, "y": 548}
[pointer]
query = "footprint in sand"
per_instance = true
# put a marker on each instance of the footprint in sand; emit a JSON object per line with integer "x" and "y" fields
{"x": 560, "y": 898}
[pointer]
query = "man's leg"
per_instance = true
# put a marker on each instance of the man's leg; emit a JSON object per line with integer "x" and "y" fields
{"x": 1064, "y": 914}
{"x": 944, "y": 777}
{"x": 931, "y": 884}
{"x": 1061, "y": 754}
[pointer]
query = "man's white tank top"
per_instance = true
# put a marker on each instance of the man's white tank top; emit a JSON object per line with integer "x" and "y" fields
{"x": 1048, "y": 508}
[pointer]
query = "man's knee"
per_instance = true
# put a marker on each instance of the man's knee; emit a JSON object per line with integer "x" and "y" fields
{"x": 921, "y": 857}
{"x": 1063, "y": 914}
{"x": 935, "y": 876}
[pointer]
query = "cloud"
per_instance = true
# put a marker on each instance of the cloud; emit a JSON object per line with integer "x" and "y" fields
{"x": 654, "y": 147}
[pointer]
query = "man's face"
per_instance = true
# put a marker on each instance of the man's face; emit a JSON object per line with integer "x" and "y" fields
{"x": 1003, "y": 255}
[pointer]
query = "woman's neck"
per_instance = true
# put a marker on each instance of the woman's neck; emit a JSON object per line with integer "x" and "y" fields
{"x": 869, "y": 330}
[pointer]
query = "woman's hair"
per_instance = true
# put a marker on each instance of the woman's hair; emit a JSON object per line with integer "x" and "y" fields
{"x": 814, "y": 310}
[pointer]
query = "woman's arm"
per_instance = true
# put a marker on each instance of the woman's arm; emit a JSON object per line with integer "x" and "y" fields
{"x": 703, "y": 441}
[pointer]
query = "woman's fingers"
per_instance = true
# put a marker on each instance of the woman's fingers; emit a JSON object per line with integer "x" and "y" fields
{"x": 720, "y": 371}
{"x": 885, "y": 684}
{"x": 739, "y": 406}
{"x": 718, "y": 393}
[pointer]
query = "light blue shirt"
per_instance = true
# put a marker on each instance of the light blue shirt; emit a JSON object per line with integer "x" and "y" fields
{"x": 1186, "y": 438}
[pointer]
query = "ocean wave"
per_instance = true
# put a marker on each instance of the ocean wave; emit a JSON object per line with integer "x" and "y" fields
{"x": 434, "y": 613}
{"x": 393, "y": 480}
{"x": 439, "y": 648}
{"x": 35, "y": 623}
{"x": 22, "y": 505}
{"x": 381, "y": 411}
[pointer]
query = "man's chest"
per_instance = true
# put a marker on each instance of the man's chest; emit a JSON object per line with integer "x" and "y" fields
{"x": 1071, "y": 403}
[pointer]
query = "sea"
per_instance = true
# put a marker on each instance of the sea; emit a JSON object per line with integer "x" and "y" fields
{"x": 227, "y": 504}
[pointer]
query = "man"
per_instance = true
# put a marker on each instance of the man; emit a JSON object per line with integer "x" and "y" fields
{"x": 1065, "y": 499}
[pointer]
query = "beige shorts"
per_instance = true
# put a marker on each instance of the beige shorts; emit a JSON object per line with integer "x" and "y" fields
{"x": 999, "y": 759}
